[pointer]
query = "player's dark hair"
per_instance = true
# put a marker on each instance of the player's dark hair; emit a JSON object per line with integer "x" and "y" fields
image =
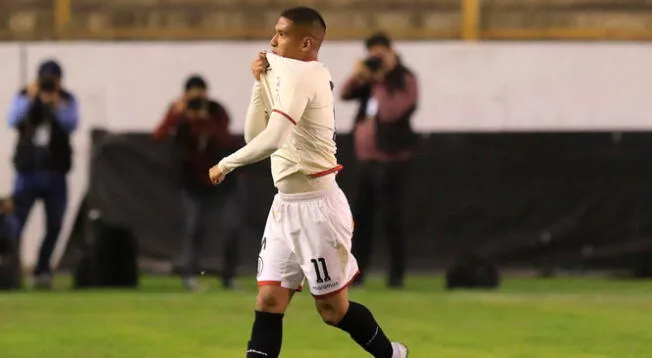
{"x": 378, "y": 39}
{"x": 195, "y": 81}
{"x": 307, "y": 16}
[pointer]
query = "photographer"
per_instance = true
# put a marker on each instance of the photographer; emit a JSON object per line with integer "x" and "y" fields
{"x": 384, "y": 142}
{"x": 200, "y": 127}
{"x": 44, "y": 115}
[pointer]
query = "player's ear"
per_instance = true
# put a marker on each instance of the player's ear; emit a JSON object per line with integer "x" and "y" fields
{"x": 307, "y": 43}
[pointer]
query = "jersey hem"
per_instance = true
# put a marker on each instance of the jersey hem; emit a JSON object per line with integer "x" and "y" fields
{"x": 333, "y": 293}
{"x": 336, "y": 169}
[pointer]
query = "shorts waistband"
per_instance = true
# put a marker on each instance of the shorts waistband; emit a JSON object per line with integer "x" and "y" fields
{"x": 308, "y": 196}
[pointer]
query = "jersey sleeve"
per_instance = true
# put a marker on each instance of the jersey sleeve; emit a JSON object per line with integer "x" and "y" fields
{"x": 277, "y": 132}
{"x": 292, "y": 94}
{"x": 256, "y": 118}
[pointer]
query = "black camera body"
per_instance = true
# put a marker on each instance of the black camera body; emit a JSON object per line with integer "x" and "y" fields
{"x": 47, "y": 85}
{"x": 374, "y": 63}
{"x": 197, "y": 103}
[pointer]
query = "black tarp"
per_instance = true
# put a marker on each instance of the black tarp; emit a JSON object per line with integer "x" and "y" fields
{"x": 524, "y": 199}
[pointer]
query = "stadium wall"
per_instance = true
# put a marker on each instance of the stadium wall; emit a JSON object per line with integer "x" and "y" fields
{"x": 465, "y": 88}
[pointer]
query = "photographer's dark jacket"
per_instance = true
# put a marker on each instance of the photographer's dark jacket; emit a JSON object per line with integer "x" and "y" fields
{"x": 387, "y": 135}
{"x": 43, "y": 133}
{"x": 8, "y": 228}
{"x": 203, "y": 141}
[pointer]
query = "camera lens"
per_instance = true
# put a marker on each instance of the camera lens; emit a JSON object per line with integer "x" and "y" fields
{"x": 195, "y": 103}
{"x": 373, "y": 63}
{"x": 47, "y": 85}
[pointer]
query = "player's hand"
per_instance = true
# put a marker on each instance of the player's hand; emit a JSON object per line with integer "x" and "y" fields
{"x": 259, "y": 66}
{"x": 216, "y": 175}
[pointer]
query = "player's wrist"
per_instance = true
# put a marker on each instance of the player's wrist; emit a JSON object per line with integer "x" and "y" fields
{"x": 224, "y": 167}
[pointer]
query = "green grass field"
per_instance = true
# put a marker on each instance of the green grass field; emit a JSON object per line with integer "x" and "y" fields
{"x": 528, "y": 318}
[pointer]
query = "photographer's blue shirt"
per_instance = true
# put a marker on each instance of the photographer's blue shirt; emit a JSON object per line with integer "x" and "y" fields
{"x": 67, "y": 113}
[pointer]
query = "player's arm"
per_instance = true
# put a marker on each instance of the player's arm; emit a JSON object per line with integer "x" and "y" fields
{"x": 293, "y": 97}
{"x": 256, "y": 119}
{"x": 272, "y": 138}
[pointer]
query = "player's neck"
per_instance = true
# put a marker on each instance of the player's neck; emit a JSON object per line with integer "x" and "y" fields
{"x": 313, "y": 57}
{"x": 303, "y": 59}
{"x": 308, "y": 59}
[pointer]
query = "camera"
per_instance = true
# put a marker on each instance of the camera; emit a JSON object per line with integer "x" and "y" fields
{"x": 47, "y": 85}
{"x": 196, "y": 104}
{"x": 373, "y": 63}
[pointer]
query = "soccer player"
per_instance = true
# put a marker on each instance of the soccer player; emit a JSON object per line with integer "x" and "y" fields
{"x": 309, "y": 227}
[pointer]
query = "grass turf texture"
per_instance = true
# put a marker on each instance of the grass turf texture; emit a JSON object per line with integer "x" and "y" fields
{"x": 528, "y": 318}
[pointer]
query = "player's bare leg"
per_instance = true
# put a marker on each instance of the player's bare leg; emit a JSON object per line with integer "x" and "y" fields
{"x": 356, "y": 319}
{"x": 267, "y": 331}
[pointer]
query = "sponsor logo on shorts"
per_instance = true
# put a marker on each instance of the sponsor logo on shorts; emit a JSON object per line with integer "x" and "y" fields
{"x": 326, "y": 286}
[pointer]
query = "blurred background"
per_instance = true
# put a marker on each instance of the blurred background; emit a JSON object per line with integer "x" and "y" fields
{"x": 532, "y": 123}
{"x": 511, "y": 149}
{"x": 604, "y": 20}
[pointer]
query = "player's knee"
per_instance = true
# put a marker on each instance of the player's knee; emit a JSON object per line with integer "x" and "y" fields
{"x": 328, "y": 313}
{"x": 272, "y": 300}
{"x": 266, "y": 302}
{"x": 332, "y": 309}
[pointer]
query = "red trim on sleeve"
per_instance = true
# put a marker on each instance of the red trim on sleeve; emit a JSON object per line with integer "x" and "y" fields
{"x": 285, "y": 115}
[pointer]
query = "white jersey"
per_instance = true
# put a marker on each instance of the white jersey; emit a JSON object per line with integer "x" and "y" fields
{"x": 302, "y": 92}
{"x": 291, "y": 119}
{"x": 309, "y": 228}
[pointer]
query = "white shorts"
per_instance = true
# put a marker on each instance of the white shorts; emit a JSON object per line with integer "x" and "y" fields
{"x": 308, "y": 235}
